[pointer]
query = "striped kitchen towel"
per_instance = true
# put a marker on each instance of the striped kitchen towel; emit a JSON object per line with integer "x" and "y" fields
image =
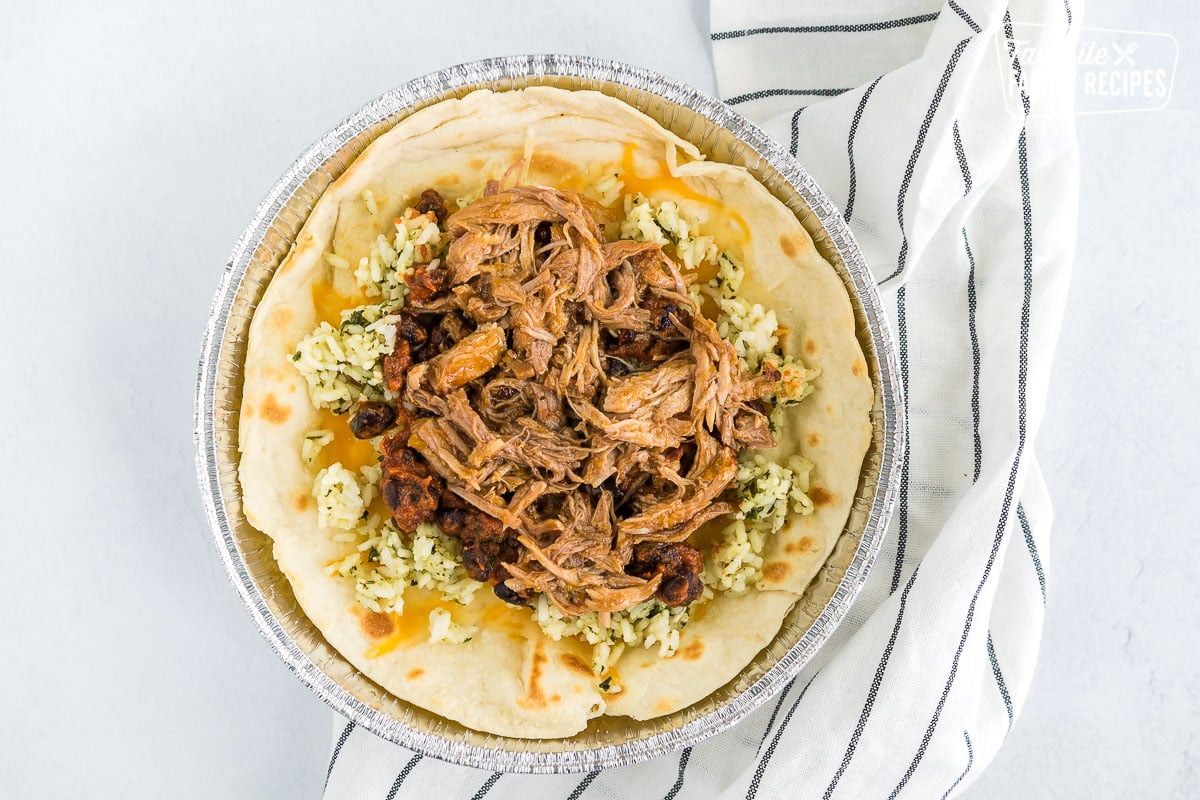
{"x": 955, "y": 164}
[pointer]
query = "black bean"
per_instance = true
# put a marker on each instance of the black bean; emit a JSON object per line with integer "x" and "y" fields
{"x": 411, "y": 330}
{"x": 432, "y": 201}
{"x": 372, "y": 419}
{"x": 615, "y": 367}
{"x": 502, "y": 393}
{"x": 509, "y": 596}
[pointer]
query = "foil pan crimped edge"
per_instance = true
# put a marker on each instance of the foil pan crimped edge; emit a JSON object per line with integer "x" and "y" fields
{"x": 266, "y": 241}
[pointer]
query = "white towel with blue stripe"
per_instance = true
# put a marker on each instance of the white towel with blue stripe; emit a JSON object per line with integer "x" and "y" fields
{"x": 956, "y": 166}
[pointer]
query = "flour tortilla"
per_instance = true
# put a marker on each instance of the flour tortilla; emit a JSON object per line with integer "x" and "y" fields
{"x": 510, "y": 679}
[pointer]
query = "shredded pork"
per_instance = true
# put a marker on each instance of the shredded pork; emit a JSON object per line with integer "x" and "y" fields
{"x": 563, "y": 396}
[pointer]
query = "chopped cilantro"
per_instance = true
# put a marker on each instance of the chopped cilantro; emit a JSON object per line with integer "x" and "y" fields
{"x": 355, "y": 318}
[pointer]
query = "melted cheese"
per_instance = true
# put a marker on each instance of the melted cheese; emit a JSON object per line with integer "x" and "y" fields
{"x": 413, "y": 624}
{"x": 726, "y": 226}
{"x": 329, "y": 303}
{"x": 351, "y": 452}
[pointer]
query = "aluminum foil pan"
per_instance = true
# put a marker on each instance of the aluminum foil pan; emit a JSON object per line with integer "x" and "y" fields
{"x": 723, "y": 135}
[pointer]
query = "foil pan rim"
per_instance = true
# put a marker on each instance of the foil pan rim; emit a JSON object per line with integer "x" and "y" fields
{"x": 441, "y": 83}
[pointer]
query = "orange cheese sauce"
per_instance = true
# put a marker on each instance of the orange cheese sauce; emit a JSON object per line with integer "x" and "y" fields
{"x": 345, "y": 449}
{"x": 412, "y": 626}
{"x": 724, "y": 219}
{"x": 329, "y": 303}
{"x": 489, "y": 611}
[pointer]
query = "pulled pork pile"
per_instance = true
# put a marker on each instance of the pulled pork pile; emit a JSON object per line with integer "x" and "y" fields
{"x": 561, "y": 406}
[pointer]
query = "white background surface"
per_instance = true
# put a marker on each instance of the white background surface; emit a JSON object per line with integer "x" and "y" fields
{"x": 137, "y": 142}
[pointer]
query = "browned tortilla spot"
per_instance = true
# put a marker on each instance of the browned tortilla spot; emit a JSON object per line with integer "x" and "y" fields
{"x": 552, "y": 165}
{"x": 810, "y": 347}
{"x": 575, "y": 664}
{"x": 535, "y": 697}
{"x": 281, "y": 317}
{"x": 776, "y": 570}
{"x": 447, "y": 180}
{"x": 859, "y": 368}
{"x": 663, "y": 706}
{"x": 273, "y": 412}
{"x": 820, "y": 495}
{"x": 300, "y": 500}
{"x": 415, "y": 673}
{"x": 556, "y": 698}
{"x": 804, "y": 544}
{"x": 792, "y": 244}
{"x": 814, "y": 439}
{"x": 375, "y": 624}
{"x": 477, "y": 164}
{"x": 693, "y": 651}
{"x": 829, "y": 409}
